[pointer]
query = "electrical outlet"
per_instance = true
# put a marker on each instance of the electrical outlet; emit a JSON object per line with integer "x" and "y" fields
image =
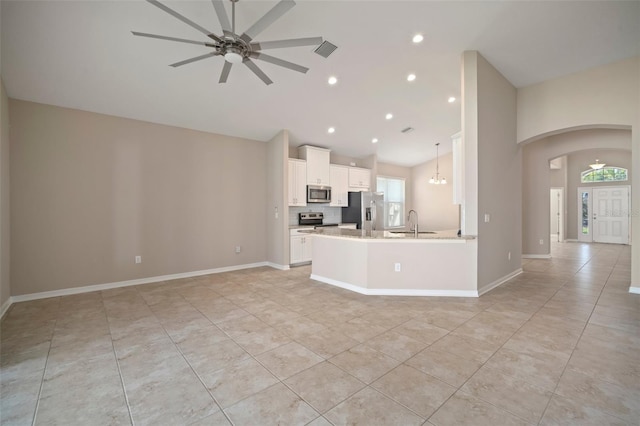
{"x": 541, "y": 241}
{"x": 138, "y": 259}
{"x": 238, "y": 249}
{"x": 396, "y": 267}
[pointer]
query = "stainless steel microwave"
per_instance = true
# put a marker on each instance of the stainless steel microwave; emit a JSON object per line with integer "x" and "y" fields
{"x": 318, "y": 194}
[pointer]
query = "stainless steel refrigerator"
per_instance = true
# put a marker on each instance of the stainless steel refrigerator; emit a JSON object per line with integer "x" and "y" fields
{"x": 366, "y": 209}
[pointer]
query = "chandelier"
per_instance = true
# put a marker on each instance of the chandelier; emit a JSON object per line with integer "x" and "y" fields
{"x": 437, "y": 180}
{"x": 597, "y": 165}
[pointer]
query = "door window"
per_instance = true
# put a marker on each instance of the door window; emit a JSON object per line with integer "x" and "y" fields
{"x": 585, "y": 212}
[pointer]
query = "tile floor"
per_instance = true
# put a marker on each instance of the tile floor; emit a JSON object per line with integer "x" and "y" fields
{"x": 559, "y": 344}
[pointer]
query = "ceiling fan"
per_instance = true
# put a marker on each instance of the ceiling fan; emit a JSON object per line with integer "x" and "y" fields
{"x": 238, "y": 48}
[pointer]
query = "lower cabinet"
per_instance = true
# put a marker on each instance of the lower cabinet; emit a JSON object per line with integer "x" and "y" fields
{"x": 300, "y": 247}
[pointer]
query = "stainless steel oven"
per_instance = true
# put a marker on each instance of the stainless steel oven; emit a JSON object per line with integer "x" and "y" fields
{"x": 318, "y": 194}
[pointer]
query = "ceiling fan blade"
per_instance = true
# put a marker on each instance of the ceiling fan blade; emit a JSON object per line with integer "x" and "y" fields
{"x": 197, "y": 58}
{"x": 269, "y": 18}
{"x": 280, "y": 62}
{"x": 181, "y": 40}
{"x": 185, "y": 20}
{"x": 293, "y": 42}
{"x": 222, "y": 15}
{"x": 257, "y": 71}
{"x": 225, "y": 72}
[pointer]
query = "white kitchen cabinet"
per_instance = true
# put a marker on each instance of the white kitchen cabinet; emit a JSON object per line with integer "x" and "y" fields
{"x": 359, "y": 179}
{"x": 339, "y": 186}
{"x": 297, "y": 183}
{"x": 318, "y": 168}
{"x": 300, "y": 247}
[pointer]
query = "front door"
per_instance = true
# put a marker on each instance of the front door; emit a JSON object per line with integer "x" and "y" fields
{"x": 603, "y": 214}
{"x": 611, "y": 215}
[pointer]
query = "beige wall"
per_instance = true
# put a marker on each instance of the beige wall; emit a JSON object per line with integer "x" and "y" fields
{"x": 434, "y": 203}
{"x": 536, "y": 179}
{"x": 89, "y": 192}
{"x": 5, "y": 228}
{"x": 606, "y": 96}
{"x": 428, "y": 267}
{"x": 558, "y": 177}
{"x": 277, "y": 208}
{"x": 499, "y": 168}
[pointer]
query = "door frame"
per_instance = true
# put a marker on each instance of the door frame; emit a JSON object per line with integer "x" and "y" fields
{"x": 561, "y": 212}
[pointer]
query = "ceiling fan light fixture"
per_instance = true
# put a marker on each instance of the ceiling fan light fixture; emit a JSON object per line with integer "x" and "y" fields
{"x": 238, "y": 48}
{"x": 597, "y": 165}
{"x": 233, "y": 56}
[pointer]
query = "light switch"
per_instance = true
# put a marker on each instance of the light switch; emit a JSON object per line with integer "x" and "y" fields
{"x": 487, "y": 218}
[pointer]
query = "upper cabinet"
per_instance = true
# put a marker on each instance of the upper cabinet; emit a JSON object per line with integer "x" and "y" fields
{"x": 339, "y": 186}
{"x": 297, "y": 183}
{"x": 359, "y": 179}
{"x": 318, "y": 169}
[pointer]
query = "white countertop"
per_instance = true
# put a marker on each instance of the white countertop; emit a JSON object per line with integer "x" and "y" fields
{"x": 387, "y": 235}
{"x": 311, "y": 226}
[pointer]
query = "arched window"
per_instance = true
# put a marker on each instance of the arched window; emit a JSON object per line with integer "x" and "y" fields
{"x": 605, "y": 174}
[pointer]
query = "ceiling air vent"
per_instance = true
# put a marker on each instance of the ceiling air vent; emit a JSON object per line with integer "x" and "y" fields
{"x": 407, "y": 130}
{"x": 325, "y": 49}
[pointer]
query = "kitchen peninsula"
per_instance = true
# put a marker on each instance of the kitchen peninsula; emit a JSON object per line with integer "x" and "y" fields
{"x": 396, "y": 263}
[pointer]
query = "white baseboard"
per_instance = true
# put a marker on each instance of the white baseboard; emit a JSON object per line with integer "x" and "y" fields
{"x": 536, "y": 256}
{"x": 394, "y": 291}
{"x": 499, "y": 282}
{"x": 278, "y": 266}
{"x": 5, "y": 307}
{"x": 634, "y": 290}
{"x": 571, "y": 240}
{"x": 118, "y": 284}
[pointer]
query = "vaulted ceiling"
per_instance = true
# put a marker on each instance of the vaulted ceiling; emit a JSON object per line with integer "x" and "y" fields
{"x": 82, "y": 54}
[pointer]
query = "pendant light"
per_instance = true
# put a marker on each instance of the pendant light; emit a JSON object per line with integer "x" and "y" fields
{"x": 597, "y": 165}
{"x": 437, "y": 180}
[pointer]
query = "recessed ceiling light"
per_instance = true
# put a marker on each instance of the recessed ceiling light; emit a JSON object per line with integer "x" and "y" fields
{"x": 331, "y": 130}
{"x": 332, "y": 80}
{"x": 374, "y": 140}
{"x": 389, "y": 116}
{"x": 411, "y": 77}
{"x": 451, "y": 99}
{"x": 418, "y": 38}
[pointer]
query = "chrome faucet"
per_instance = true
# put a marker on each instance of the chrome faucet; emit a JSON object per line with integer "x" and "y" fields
{"x": 415, "y": 224}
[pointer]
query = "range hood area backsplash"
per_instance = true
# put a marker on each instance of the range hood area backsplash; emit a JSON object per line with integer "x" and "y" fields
{"x": 331, "y": 214}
